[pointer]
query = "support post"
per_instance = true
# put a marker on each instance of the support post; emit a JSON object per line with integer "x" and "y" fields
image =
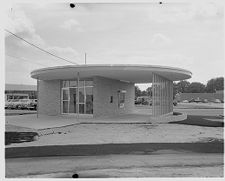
{"x": 78, "y": 98}
{"x": 37, "y": 97}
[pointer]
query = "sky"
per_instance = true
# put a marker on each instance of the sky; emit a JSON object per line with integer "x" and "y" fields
{"x": 185, "y": 35}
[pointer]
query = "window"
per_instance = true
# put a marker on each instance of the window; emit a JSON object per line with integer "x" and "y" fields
{"x": 121, "y": 98}
{"x": 72, "y": 99}
{"x": 111, "y": 99}
{"x": 73, "y": 83}
{"x": 65, "y": 100}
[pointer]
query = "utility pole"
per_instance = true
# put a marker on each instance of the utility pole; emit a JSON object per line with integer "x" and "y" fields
{"x": 85, "y": 58}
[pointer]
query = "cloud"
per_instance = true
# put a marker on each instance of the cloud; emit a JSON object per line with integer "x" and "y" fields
{"x": 17, "y": 70}
{"x": 65, "y": 52}
{"x": 18, "y": 23}
{"x": 173, "y": 13}
{"x": 207, "y": 9}
{"x": 71, "y": 23}
{"x": 159, "y": 39}
{"x": 21, "y": 25}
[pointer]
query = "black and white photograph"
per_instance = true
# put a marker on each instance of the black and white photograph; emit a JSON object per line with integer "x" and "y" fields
{"x": 103, "y": 89}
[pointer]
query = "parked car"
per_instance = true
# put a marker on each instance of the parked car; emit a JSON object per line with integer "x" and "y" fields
{"x": 174, "y": 102}
{"x": 197, "y": 100}
{"x": 185, "y": 101}
{"x": 14, "y": 104}
{"x": 7, "y": 103}
{"x": 216, "y": 101}
{"x": 192, "y": 100}
{"x": 24, "y": 103}
{"x": 144, "y": 100}
{"x": 138, "y": 101}
{"x": 205, "y": 101}
{"x": 33, "y": 104}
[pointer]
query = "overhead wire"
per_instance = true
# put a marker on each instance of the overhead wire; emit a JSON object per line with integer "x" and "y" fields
{"x": 40, "y": 48}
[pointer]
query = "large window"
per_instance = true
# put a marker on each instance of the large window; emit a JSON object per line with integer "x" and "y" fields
{"x": 77, "y": 98}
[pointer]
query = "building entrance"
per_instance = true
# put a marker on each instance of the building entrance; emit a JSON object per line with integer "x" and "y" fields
{"x": 77, "y": 99}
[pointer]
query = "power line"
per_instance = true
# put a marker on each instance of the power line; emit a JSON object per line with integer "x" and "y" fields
{"x": 39, "y": 47}
{"x": 25, "y": 60}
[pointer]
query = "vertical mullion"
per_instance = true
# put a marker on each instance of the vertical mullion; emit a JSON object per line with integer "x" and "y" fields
{"x": 68, "y": 100}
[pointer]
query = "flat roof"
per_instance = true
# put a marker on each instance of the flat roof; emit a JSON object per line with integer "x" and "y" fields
{"x": 20, "y": 87}
{"x": 128, "y": 73}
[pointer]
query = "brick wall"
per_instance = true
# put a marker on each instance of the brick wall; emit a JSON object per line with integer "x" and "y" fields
{"x": 103, "y": 89}
{"x": 49, "y": 97}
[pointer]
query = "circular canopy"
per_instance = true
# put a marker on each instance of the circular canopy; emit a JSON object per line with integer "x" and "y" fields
{"x": 128, "y": 73}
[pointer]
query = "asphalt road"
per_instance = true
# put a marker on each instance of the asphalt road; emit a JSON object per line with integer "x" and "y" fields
{"x": 164, "y": 163}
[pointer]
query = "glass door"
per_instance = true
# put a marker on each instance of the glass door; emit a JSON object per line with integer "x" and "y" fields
{"x": 72, "y": 100}
{"x": 82, "y": 98}
{"x": 65, "y": 100}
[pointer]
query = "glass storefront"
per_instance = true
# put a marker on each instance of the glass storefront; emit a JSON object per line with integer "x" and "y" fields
{"x": 74, "y": 100}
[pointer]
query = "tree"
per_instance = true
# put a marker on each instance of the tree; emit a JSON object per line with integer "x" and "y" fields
{"x": 215, "y": 84}
{"x": 175, "y": 89}
{"x": 137, "y": 92}
{"x": 196, "y": 87}
{"x": 144, "y": 93}
{"x": 182, "y": 86}
{"x": 149, "y": 91}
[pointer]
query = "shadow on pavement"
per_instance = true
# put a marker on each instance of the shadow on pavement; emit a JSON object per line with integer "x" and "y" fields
{"x": 201, "y": 121}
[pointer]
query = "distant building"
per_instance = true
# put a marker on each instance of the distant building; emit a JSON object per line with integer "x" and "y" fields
{"x": 209, "y": 96}
{"x": 19, "y": 91}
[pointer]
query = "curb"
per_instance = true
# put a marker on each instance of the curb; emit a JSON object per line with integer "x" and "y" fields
{"x": 174, "y": 116}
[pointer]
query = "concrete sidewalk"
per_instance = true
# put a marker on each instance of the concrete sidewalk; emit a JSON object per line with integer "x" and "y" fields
{"x": 45, "y": 122}
{"x": 42, "y": 122}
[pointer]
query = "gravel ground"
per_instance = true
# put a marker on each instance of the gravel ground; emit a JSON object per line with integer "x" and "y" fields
{"x": 127, "y": 133}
